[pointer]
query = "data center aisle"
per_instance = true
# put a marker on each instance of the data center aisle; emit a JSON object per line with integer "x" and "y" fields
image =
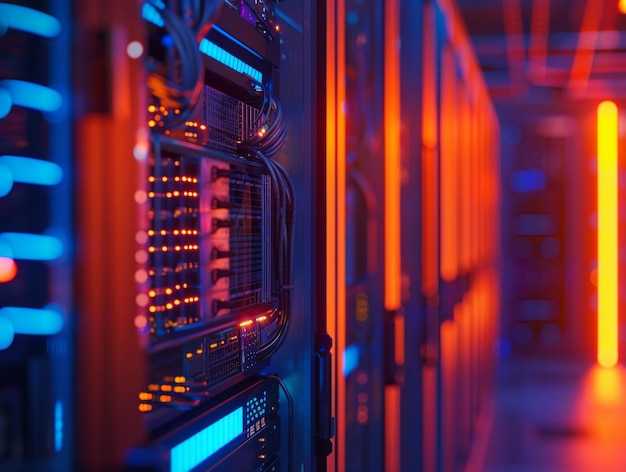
{"x": 558, "y": 416}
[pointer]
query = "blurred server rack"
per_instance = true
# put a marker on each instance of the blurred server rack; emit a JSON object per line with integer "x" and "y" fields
{"x": 330, "y": 221}
{"x": 362, "y": 356}
{"x": 36, "y": 312}
{"x": 411, "y": 429}
{"x": 461, "y": 151}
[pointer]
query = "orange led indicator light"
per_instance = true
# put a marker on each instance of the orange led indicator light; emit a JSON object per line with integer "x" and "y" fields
{"x": 8, "y": 269}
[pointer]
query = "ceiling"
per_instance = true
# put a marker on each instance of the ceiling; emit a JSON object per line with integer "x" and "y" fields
{"x": 548, "y": 52}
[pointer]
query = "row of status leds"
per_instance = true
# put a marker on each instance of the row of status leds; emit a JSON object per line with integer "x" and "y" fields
{"x": 176, "y": 232}
{"x": 186, "y": 247}
{"x": 184, "y": 178}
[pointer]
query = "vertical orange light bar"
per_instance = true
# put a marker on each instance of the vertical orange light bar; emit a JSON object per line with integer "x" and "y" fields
{"x": 622, "y": 6}
{"x": 331, "y": 176}
{"x": 429, "y": 80}
{"x": 335, "y": 213}
{"x": 607, "y": 234}
{"x": 331, "y": 212}
{"x": 464, "y": 190}
{"x": 393, "y": 274}
{"x": 392, "y": 156}
{"x": 340, "y": 339}
{"x": 430, "y": 188}
{"x": 449, "y": 168}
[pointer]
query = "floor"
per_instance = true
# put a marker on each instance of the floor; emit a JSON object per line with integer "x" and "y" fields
{"x": 558, "y": 416}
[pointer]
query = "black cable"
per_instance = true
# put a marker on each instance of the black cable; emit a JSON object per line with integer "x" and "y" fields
{"x": 283, "y": 229}
{"x": 270, "y": 130}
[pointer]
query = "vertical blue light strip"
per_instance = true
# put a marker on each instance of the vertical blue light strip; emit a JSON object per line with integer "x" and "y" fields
{"x": 58, "y": 426}
{"x": 61, "y": 213}
{"x": 202, "y": 445}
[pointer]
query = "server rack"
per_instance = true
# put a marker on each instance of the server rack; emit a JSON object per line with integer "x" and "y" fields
{"x": 462, "y": 280}
{"x": 36, "y": 251}
{"x": 362, "y": 357}
{"x": 203, "y": 284}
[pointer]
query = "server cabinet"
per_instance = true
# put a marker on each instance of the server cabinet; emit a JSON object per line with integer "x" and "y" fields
{"x": 412, "y": 64}
{"x": 362, "y": 356}
{"x": 461, "y": 280}
{"x": 190, "y": 164}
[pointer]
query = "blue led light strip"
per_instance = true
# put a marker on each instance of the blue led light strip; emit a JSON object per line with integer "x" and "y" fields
{"x": 221, "y": 55}
{"x": 34, "y": 247}
{"x": 7, "y": 333}
{"x": 30, "y": 95}
{"x": 27, "y": 170}
{"x": 29, "y": 20}
{"x": 42, "y": 322}
{"x": 58, "y": 425}
{"x": 199, "y": 447}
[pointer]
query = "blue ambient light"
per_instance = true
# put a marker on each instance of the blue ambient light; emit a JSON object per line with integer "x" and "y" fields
{"x": 58, "y": 426}
{"x": 7, "y": 333}
{"x": 221, "y": 55}
{"x": 29, "y": 20}
{"x": 31, "y": 171}
{"x": 351, "y": 356}
{"x": 36, "y": 247}
{"x": 43, "y": 322}
{"x": 30, "y": 95}
{"x": 150, "y": 14}
{"x": 6, "y": 180}
{"x": 5, "y": 103}
{"x": 529, "y": 180}
{"x": 199, "y": 447}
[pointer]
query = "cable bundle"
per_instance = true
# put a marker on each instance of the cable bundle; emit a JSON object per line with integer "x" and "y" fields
{"x": 183, "y": 94}
{"x": 283, "y": 226}
{"x": 266, "y": 139}
{"x": 269, "y": 134}
{"x": 205, "y": 11}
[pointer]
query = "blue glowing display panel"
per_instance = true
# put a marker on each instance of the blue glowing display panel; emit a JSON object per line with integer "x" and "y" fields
{"x": 202, "y": 445}
{"x": 221, "y": 55}
{"x": 212, "y": 50}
